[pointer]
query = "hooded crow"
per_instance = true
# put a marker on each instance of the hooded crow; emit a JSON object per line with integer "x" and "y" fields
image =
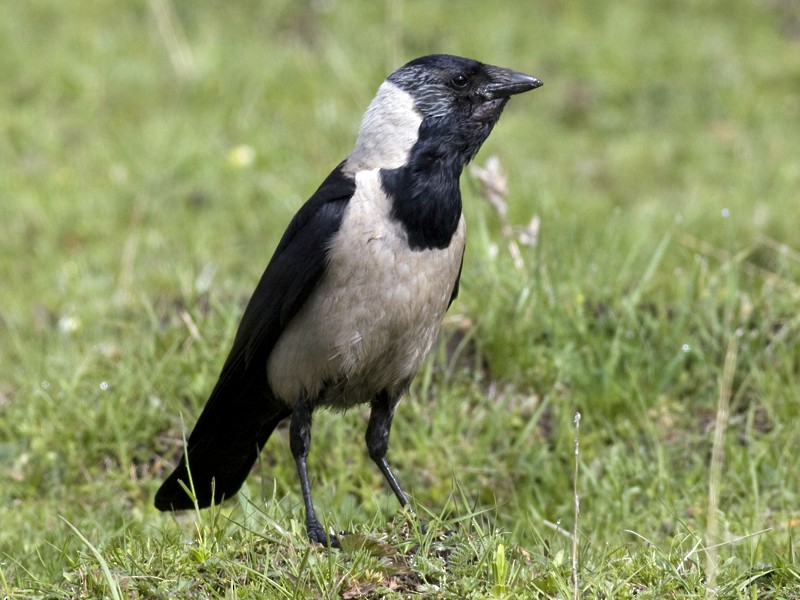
{"x": 352, "y": 300}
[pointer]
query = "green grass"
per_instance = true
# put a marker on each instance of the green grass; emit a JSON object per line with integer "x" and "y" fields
{"x": 661, "y": 158}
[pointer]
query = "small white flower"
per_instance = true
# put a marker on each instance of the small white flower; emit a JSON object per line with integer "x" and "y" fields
{"x": 68, "y": 324}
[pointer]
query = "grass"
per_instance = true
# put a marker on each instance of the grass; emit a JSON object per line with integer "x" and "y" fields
{"x": 152, "y": 154}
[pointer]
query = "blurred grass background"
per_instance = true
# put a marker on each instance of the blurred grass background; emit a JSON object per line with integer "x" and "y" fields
{"x": 152, "y": 153}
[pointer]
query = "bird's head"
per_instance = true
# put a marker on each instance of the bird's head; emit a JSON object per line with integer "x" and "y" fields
{"x": 435, "y": 95}
{"x": 460, "y": 89}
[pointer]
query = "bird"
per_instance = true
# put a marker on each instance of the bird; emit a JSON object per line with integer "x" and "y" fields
{"x": 352, "y": 300}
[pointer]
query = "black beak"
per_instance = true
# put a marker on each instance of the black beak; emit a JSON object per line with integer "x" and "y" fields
{"x": 506, "y": 82}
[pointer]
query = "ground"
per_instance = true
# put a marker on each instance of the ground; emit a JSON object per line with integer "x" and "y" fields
{"x": 646, "y": 275}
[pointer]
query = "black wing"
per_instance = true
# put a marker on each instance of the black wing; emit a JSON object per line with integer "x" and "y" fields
{"x": 454, "y": 293}
{"x": 242, "y": 411}
{"x": 295, "y": 269}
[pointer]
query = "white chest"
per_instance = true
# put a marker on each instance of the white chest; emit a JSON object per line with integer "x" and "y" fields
{"x": 375, "y": 315}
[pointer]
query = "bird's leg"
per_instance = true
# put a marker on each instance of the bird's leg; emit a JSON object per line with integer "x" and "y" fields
{"x": 380, "y": 423}
{"x": 300, "y": 442}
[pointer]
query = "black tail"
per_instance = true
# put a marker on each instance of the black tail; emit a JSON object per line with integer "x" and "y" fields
{"x": 235, "y": 424}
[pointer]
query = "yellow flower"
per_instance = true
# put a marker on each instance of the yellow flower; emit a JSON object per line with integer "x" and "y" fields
{"x": 241, "y": 156}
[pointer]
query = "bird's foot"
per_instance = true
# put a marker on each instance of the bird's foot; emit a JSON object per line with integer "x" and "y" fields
{"x": 316, "y": 533}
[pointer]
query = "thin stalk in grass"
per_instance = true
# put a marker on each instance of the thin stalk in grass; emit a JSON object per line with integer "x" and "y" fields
{"x": 577, "y": 505}
{"x": 494, "y": 189}
{"x": 113, "y": 586}
{"x": 717, "y": 458}
{"x": 174, "y": 38}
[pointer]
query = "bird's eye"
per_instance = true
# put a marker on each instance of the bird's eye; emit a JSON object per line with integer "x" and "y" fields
{"x": 460, "y": 81}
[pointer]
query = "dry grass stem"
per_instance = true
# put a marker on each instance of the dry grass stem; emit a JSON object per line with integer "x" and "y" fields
{"x": 724, "y": 256}
{"x": 557, "y": 528}
{"x": 577, "y": 503}
{"x": 717, "y": 458}
{"x": 494, "y": 188}
{"x": 171, "y": 30}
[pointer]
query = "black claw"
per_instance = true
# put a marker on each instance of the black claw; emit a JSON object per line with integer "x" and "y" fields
{"x": 317, "y": 535}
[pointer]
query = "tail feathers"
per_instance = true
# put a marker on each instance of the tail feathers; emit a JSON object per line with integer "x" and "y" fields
{"x": 237, "y": 421}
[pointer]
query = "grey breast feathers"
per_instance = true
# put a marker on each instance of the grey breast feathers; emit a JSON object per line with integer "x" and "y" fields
{"x": 374, "y": 317}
